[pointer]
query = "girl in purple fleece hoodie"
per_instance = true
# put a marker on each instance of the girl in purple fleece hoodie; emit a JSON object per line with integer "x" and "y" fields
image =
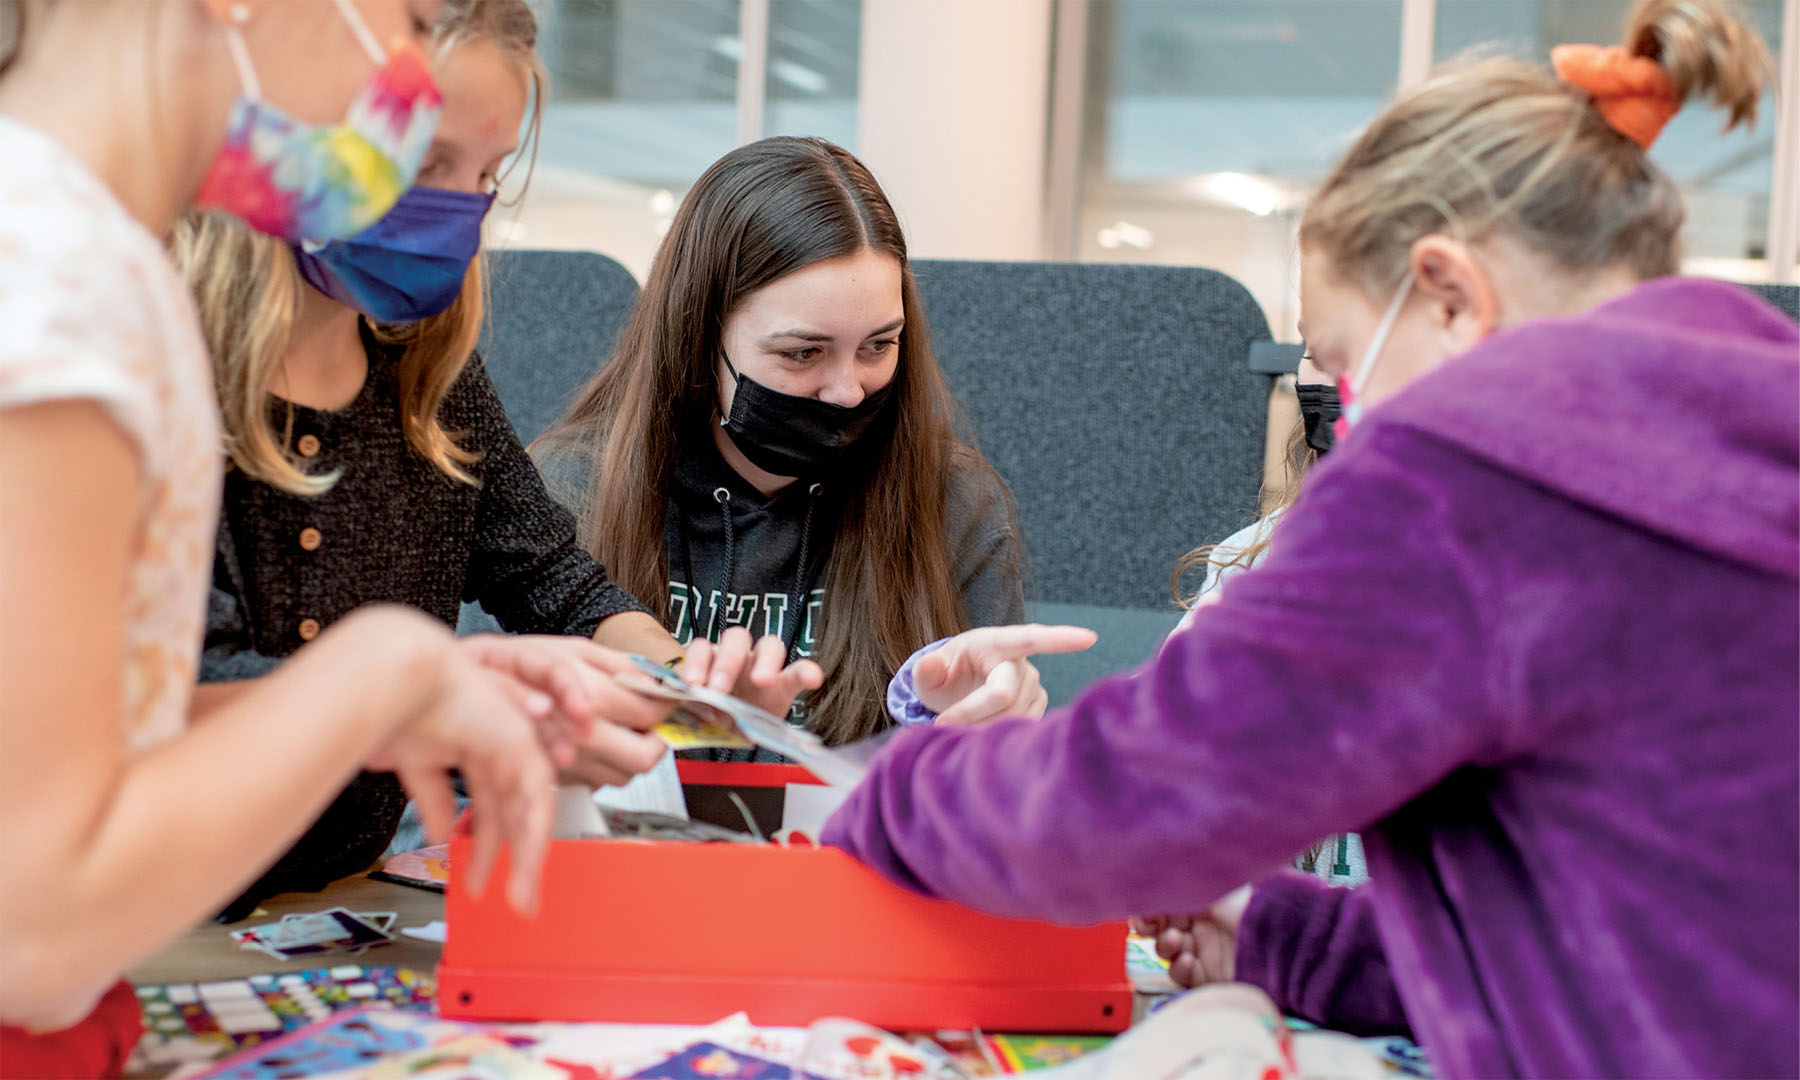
{"x": 1540, "y": 607}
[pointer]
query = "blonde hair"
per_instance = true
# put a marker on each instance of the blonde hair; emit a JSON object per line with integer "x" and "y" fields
{"x": 247, "y": 288}
{"x": 1502, "y": 146}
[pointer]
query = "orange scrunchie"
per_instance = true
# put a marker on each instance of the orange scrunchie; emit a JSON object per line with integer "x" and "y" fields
{"x": 1633, "y": 93}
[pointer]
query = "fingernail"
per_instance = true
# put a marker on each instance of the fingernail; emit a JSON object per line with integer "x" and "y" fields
{"x": 538, "y": 704}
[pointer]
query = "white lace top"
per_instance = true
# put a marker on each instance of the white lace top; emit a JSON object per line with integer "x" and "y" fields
{"x": 92, "y": 310}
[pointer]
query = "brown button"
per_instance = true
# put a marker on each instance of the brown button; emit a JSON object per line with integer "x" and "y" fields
{"x": 309, "y": 629}
{"x": 308, "y": 445}
{"x": 310, "y": 539}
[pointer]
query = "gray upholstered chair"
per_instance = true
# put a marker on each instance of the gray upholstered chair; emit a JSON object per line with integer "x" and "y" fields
{"x": 1117, "y": 403}
{"x": 1115, "y": 400}
{"x": 1785, "y": 297}
{"x": 553, "y": 318}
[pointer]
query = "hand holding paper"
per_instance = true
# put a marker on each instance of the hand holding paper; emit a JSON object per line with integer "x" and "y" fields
{"x": 769, "y": 682}
{"x": 702, "y": 711}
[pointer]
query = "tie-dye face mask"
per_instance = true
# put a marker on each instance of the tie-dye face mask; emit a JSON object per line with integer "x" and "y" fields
{"x": 300, "y": 181}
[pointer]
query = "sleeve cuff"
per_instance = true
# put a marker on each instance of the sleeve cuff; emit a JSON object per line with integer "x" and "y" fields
{"x": 609, "y": 601}
{"x": 1276, "y": 909}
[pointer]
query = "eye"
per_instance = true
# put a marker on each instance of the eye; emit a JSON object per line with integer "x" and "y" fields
{"x": 881, "y": 347}
{"x": 803, "y": 355}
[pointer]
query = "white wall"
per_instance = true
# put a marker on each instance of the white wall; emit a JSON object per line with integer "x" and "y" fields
{"x": 954, "y": 102}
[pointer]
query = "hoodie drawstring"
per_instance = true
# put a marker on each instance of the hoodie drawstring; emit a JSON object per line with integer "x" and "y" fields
{"x": 799, "y": 597}
{"x": 723, "y": 498}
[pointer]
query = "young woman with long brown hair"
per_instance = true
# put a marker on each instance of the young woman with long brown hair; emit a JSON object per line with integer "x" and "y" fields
{"x": 772, "y": 446}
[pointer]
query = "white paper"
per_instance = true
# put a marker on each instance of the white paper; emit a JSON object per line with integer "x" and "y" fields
{"x": 436, "y": 930}
{"x": 576, "y": 815}
{"x": 657, "y": 792}
{"x": 806, "y": 806}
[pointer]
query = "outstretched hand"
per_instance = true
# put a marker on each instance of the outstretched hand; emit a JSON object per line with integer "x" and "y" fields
{"x": 983, "y": 673}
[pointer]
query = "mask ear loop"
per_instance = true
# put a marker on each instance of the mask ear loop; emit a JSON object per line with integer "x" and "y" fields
{"x": 240, "y": 53}
{"x": 361, "y": 30}
{"x": 724, "y": 420}
{"x": 1382, "y": 330}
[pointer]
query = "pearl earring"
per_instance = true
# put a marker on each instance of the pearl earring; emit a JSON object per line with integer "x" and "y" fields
{"x": 240, "y": 13}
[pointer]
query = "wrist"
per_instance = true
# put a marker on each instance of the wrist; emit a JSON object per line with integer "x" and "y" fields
{"x": 904, "y": 704}
{"x": 410, "y": 655}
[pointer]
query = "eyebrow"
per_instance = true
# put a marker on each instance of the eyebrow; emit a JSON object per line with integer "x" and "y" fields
{"x": 814, "y": 335}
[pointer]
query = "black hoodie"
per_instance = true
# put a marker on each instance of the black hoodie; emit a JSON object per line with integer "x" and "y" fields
{"x": 740, "y": 558}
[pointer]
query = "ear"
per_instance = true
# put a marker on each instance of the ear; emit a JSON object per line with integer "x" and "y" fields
{"x": 1461, "y": 296}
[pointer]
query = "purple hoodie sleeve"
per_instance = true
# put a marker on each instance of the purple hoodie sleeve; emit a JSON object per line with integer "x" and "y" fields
{"x": 1343, "y": 677}
{"x": 1315, "y": 951}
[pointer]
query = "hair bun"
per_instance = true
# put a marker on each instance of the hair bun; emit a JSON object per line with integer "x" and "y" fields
{"x": 1708, "y": 49}
{"x": 1635, "y": 95}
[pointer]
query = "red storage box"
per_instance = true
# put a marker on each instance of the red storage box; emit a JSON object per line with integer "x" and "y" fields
{"x": 636, "y": 932}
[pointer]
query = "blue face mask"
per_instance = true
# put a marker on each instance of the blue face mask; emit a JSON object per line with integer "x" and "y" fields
{"x": 407, "y": 266}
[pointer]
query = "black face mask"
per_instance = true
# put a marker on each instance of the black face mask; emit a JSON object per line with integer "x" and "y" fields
{"x": 796, "y": 436}
{"x": 1318, "y": 408}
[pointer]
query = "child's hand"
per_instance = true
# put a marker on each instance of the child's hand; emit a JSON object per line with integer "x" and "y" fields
{"x": 1199, "y": 948}
{"x": 594, "y": 728}
{"x": 480, "y": 723}
{"x": 769, "y": 683}
{"x": 982, "y": 674}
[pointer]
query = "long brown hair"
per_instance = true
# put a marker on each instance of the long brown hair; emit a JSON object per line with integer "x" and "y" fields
{"x": 247, "y": 289}
{"x": 760, "y": 213}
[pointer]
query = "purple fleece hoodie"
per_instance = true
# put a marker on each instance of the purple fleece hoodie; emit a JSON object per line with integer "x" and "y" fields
{"x": 1534, "y": 628}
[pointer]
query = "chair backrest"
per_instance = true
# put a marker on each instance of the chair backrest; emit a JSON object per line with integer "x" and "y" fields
{"x": 553, "y": 319}
{"x": 1117, "y": 403}
{"x": 1785, "y": 297}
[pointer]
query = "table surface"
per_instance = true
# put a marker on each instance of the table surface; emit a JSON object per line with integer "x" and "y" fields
{"x": 206, "y": 953}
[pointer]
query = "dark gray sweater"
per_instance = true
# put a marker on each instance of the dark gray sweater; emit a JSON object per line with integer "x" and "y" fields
{"x": 394, "y": 529}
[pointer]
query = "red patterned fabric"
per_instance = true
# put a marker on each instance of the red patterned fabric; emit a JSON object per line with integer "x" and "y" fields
{"x": 96, "y": 1047}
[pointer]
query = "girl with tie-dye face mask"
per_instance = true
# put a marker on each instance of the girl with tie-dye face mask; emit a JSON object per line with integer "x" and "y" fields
{"x": 129, "y": 809}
